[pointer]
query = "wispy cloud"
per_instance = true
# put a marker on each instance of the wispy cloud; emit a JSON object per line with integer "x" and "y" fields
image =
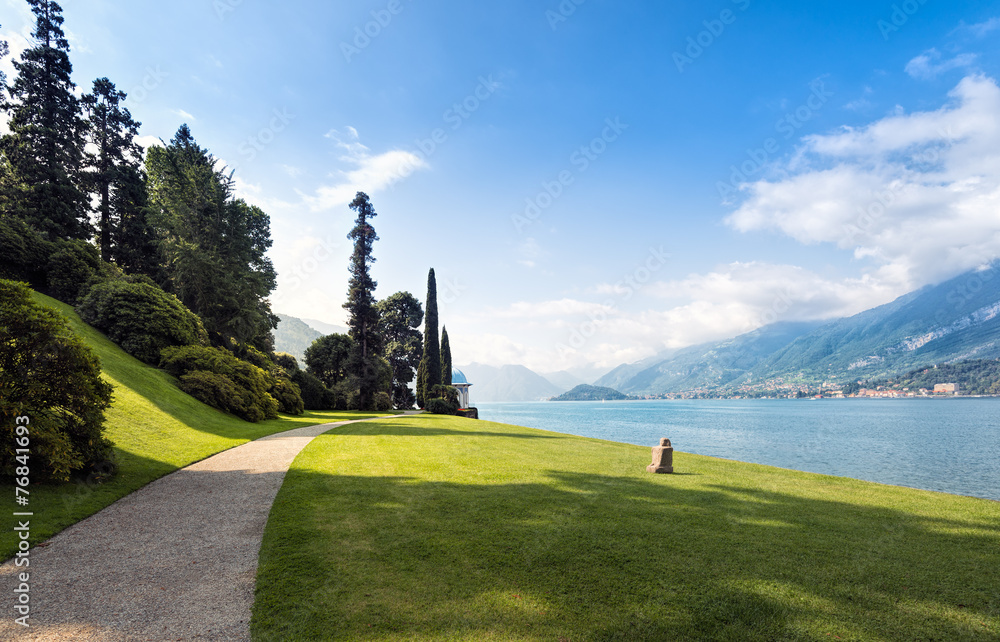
{"x": 370, "y": 173}
{"x": 930, "y": 65}
{"x": 980, "y": 29}
{"x": 183, "y": 114}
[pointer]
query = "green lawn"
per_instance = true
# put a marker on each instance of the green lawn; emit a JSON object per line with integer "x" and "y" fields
{"x": 435, "y": 528}
{"x": 156, "y": 429}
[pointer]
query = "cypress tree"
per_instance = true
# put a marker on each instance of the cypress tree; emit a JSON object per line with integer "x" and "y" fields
{"x": 363, "y": 322}
{"x": 45, "y": 146}
{"x": 445, "y": 357}
{"x": 431, "y": 361}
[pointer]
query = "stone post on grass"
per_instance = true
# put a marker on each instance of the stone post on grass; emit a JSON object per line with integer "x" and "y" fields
{"x": 663, "y": 458}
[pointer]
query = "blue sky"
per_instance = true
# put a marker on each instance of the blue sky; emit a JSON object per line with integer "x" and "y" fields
{"x": 592, "y": 181}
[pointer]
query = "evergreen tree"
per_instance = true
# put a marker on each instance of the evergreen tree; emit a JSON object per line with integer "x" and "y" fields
{"x": 46, "y": 141}
{"x": 400, "y": 317}
{"x": 363, "y": 321}
{"x": 431, "y": 360}
{"x": 421, "y": 397}
{"x": 133, "y": 239}
{"x": 212, "y": 246}
{"x": 4, "y": 51}
{"x": 112, "y": 133}
{"x": 445, "y": 357}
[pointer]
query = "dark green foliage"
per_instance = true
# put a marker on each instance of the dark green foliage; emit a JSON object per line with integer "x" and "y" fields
{"x": 315, "y": 396}
{"x": 444, "y": 400}
{"x": 327, "y": 358}
{"x": 400, "y": 317}
{"x": 112, "y": 132}
{"x": 45, "y": 146}
{"x": 383, "y": 401}
{"x": 287, "y": 362}
{"x": 213, "y": 246}
{"x": 133, "y": 239}
{"x": 24, "y": 253}
{"x": 251, "y": 400}
{"x": 72, "y": 269}
{"x": 141, "y": 318}
{"x": 287, "y": 393}
{"x": 421, "y": 397}
{"x": 48, "y": 375}
{"x": 445, "y": 357}
{"x": 431, "y": 359}
{"x": 363, "y": 321}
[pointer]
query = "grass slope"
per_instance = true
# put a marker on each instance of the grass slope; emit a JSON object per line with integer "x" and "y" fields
{"x": 434, "y": 528}
{"x": 156, "y": 429}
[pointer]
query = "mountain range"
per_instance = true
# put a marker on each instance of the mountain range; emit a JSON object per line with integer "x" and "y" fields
{"x": 955, "y": 320}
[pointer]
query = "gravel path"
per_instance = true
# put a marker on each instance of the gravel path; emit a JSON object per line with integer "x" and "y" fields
{"x": 175, "y": 560}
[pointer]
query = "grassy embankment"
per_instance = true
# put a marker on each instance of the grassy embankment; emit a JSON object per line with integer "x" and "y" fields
{"x": 156, "y": 429}
{"x": 434, "y": 528}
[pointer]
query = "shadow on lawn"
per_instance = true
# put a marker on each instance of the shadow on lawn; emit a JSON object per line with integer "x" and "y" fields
{"x": 604, "y": 557}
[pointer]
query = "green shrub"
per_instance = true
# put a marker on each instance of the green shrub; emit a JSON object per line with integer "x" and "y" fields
{"x": 383, "y": 401}
{"x": 442, "y": 406}
{"x": 286, "y": 362}
{"x": 253, "y": 402}
{"x": 216, "y": 390}
{"x": 50, "y": 376}
{"x": 24, "y": 253}
{"x": 72, "y": 269}
{"x": 140, "y": 317}
{"x": 288, "y": 395}
{"x": 315, "y": 396}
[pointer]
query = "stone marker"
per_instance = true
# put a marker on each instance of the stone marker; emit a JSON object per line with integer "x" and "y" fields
{"x": 663, "y": 458}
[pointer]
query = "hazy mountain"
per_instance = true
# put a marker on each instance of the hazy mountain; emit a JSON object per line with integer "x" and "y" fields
{"x": 958, "y": 319}
{"x": 564, "y": 379}
{"x": 325, "y": 328}
{"x": 509, "y": 383}
{"x": 293, "y": 336}
{"x": 709, "y": 365}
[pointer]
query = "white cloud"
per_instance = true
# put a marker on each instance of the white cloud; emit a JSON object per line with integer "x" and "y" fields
{"x": 915, "y": 196}
{"x": 981, "y": 29}
{"x": 370, "y": 174}
{"x": 926, "y": 65}
{"x": 183, "y": 114}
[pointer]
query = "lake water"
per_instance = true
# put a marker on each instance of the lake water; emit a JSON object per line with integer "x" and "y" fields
{"x": 948, "y": 445}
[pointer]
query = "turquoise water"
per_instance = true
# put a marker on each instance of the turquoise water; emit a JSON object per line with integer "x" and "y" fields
{"x": 948, "y": 445}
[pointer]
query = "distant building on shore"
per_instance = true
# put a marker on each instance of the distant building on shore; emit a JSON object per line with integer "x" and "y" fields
{"x": 946, "y": 388}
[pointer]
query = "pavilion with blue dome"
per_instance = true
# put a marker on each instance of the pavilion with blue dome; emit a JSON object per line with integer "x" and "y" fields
{"x": 459, "y": 381}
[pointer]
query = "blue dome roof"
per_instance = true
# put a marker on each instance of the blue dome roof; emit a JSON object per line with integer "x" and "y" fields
{"x": 457, "y": 376}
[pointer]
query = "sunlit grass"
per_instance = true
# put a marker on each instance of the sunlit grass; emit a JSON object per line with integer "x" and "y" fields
{"x": 435, "y": 528}
{"x": 156, "y": 429}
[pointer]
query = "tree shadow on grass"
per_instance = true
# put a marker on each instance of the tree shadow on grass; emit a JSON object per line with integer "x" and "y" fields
{"x": 603, "y": 557}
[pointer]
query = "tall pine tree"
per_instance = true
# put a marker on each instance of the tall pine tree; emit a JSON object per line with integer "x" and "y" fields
{"x": 445, "y": 357}
{"x": 45, "y": 146}
{"x": 112, "y": 133}
{"x": 430, "y": 363}
{"x": 213, "y": 247}
{"x": 400, "y": 317}
{"x": 363, "y": 321}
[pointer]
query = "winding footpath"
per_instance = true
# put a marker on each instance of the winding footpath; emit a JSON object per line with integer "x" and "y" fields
{"x": 175, "y": 560}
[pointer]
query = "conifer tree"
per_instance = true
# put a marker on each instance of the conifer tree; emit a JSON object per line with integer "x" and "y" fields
{"x": 45, "y": 146}
{"x": 112, "y": 132}
{"x": 363, "y": 321}
{"x": 400, "y": 317}
{"x": 431, "y": 360}
{"x": 445, "y": 357}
